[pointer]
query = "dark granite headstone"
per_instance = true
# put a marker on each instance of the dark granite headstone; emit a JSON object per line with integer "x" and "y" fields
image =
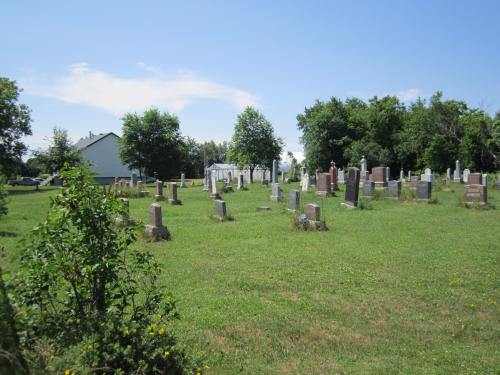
{"x": 424, "y": 190}
{"x": 394, "y": 188}
{"x": 352, "y": 188}
{"x": 293, "y": 199}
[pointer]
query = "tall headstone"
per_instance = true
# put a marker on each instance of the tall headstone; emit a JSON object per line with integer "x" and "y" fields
{"x": 220, "y": 209}
{"x": 323, "y": 185}
{"x": 183, "y": 180}
{"x": 394, "y": 189}
{"x": 424, "y": 190}
{"x": 333, "y": 176}
{"x": 172, "y": 192}
{"x": 466, "y": 175}
{"x": 427, "y": 176}
{"x": 413, "y": 181}
{"x": 379, "y": 175}
{"x": 387, "y": 174}
{"x": 409, "y": 175}
{"x": 368, "y": 187}
{"x": 133, "y": 180}
{"x": 475, "y": 194}
{"x": 484, "y": 179}
{"x": 305, "y": 182}
{"x": 241, "y": 182}
{"x": 274, "y": 178}
{"x": 352, "y": 188}
{"x": 448, "y": 174}
{"x": 155, "y": 226}
{"x": 213, "y": 185}
{"x": 159, "y": 190}
{"x": 341, "y": 175}
{"x": 497, "y": 183}
{"x": 316, "y": 177}
{"x": 206, "y": 181}
{"x": 282, "y": 176}
{"x": 293, "y": 200}
{"x": 475, "y": 179}
{"x": 402, "y": 175}
{"x": 302, "y": 172}
{"x": 229, "y": 177}
{"x": 313, "y": 212}
{"x": 457, "y": 175}
{"x": 364, "y": 164}
{"x": 276, "y": 193}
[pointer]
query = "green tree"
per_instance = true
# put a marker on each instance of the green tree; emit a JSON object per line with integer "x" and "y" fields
{"x": 14, "y": 124}
{"x": 61, "y": 151}
{"x": 254, "y": 143}
{"x": 152, "y": 143}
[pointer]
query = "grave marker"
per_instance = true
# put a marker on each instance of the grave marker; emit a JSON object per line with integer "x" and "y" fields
{"x": 352, "y": 188}
{"x": 424, "y": 190}
{"x": 293, "y": 200}
{"x": 324, "y": 186}
{"x": 155, "y": 226}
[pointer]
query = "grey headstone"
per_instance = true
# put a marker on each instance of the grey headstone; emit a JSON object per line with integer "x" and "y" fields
{"x": 424, "y": 190}
{"x": 352, "y": 188}
{"x": 368, "y": 187}
{"x": 387, "y": 174}
{"x": 402, "y": 175}
{"x": 364, "y": 164}
{"x": 293, "y": 200}
{"x": 466, "y": 175}
{"x": 457, "y": 176}
{"x": 448, "y": 174}
{"x": 159, "y": 190}
{"x": 213, "y": 185}
{"x": 304, "y": 183}
{"x": 276, "y": 193}
{"x": 274, "y": 177}
{"x": 220, "y": 209}
{"x": 241, "y": 182}
{"x": 484, "y": 179}
{"x": 172, "y": 190}
{"x": 183, "y": 180}
{"x": 155, "y": 226}
{"x": 394, "y": 188}
{"x": 341, "y": 176}
{"x": 323, "y": 185}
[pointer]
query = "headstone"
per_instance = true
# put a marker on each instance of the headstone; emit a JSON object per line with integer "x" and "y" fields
{"x": 213, "y": 184}
{"x": 364, "y": 164}
{"x": 293, "y": 200}
{"x": 172, "y": 192}
{"x": 475, "y": 179}
{"x": 274, "y": 177}
{"x": 409, "y": 175}
{"x": 317, "y": 176}
{"x": 484, "y": 179}
{"x": 368, "y": 187}
{"x": 394, "y": 189}
{"x": 206, "y": 181}
{"x": 413, "y": 181}
{"x": 323, "y": 185}
{"x": 312, "y": 212}
{"x": 387, "y": 174}
{"x": 352, "y": 188}
{"x": 263, "y": 208}
{"x": 457, "y": 174}
{"x": 133, "y": 180}
{"x": 333, "y": 176}
{"x": 424, "y": 190}
{"x": 302, "y": 172}
{"x": 294, "y": 173}
{"x": 123, "y": 218}
{"x": 379, "y": 175}
{"x": 448, "y": 174}
{"x": 241, "y": 182}
{"x": 497, "y": 183}
{"x": 476, "y": 194}
{"x": 276, "y": 193}
{"x": 466, "y": 175}
{"x": 183, "y": 180}
{"x": 229, "y": 177}
{"x": 155, "y": 227}
{"x": 159, "y": 191}
{"x": 364, "y": 176}
{"x": 282, "y": 176}
{"x": 220, "y": 209}
{"x": 341, "y": 175}
{"x": 305, "y": 183}
{"x": 427, "y": 176}
{"x": 402, "y": 175}
{"x": 141, "y": 189}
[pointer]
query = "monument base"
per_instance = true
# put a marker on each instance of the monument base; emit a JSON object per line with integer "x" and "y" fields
{"x": 348, "y": 205}
{"x": 159, "y": 198}
{"x": 175, "y": 202}
{"x": 276, "y": 198}
{"x": 215, "y": 196}
{"x": 159, "y": 233}
{"x": 323, "y": 194}
{"x": 380, "y": 185}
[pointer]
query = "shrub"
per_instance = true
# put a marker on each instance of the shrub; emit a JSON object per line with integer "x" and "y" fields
{"x": 96, "y": 301}
{"x": 3, "y": 199}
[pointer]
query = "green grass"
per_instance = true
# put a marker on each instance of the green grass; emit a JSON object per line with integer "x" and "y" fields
{"x": 409, "y": 288}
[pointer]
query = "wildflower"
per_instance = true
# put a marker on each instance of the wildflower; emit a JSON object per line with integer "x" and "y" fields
{"x": 151, "y": 333}
{"x": 161, "y": 331}
{"x": 66, "y": 372}
{"x": 77, "y": 321}
{"x": 205, "y": 366}
{"x": 125, "y": 332}
{"x": 166, "y": 354}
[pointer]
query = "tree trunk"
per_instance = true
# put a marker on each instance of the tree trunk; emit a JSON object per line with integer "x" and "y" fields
{"x": 251, "y": 174}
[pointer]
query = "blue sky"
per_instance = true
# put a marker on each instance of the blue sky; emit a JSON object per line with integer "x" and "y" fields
{"x": 84, "y": 64}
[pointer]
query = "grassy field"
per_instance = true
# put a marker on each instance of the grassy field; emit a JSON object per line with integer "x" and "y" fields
{"x": 397, "y": 288}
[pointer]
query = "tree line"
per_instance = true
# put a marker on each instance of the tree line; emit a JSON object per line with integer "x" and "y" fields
{"x": 425, "y": 134}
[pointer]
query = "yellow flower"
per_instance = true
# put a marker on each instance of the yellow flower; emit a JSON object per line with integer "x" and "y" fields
{"x": 66, "y": 372}
{"x": 166, "y": 354}
{"x": 151, "y": 333}
{"x": 73, "y": 373}
{"x": 206, "y": 366}
{"x": 125, "y": 332}
{"x": 161, "y": 331}
{"x": 77, "y": 321}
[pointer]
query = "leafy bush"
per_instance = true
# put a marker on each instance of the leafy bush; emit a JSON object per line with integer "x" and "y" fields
{"x": 81, "y": 288}
{"x": 3, "y": 199}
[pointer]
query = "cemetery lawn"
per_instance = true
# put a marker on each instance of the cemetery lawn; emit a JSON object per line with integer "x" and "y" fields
{"x": 397, "y": 288}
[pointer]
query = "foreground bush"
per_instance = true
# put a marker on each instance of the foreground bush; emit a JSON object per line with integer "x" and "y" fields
{"x": 86, "y": 302}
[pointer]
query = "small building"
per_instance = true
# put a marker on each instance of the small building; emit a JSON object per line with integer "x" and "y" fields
{"x": 102, "y": 150}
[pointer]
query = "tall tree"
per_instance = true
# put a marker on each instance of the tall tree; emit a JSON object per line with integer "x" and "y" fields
{"x": 61, "y": 150}
{"x": 254, "y": 143}
{"x": 152, "y": 143}
{"x": 14, "y": 124}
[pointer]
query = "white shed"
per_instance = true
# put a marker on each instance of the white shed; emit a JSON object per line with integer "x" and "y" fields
{"x": 102, "y": 150}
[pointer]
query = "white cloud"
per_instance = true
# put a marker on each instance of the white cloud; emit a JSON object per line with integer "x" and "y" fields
{"x": 84, "y": 85}
{"x": 410, "y": 95}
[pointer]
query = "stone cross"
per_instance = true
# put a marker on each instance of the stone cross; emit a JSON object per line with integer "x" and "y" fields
{"x": 172, "y": 191}
{"x": 352, "y": 188}
{"x": 155, "y": 226}
{"x": 293, "y": 200}
{"x": 159, "y": 191}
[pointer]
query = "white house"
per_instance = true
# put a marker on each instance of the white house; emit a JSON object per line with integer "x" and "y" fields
{"x": 102, "y": 150}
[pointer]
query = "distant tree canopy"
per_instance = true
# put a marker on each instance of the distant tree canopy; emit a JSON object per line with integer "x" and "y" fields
{"x": 61, "y": 150}
{"x": 15, "y": 122}
{"x": 197, "y": 156}
{"x": 254, "y": 142}
{"x": 152, "y": 143}
{"x": 387, "y": 132}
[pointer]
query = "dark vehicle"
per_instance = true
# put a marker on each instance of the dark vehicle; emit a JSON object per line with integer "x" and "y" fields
{"x": 24, "y": 181}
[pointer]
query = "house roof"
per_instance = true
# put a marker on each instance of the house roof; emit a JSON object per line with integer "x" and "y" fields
{"x": 86, "y": 142}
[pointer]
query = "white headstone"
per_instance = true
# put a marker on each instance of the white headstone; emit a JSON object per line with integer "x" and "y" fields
{"x": 466, "y": 175}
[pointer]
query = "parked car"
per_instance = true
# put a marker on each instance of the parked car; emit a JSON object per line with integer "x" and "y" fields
{"x": 24, "y": 181}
